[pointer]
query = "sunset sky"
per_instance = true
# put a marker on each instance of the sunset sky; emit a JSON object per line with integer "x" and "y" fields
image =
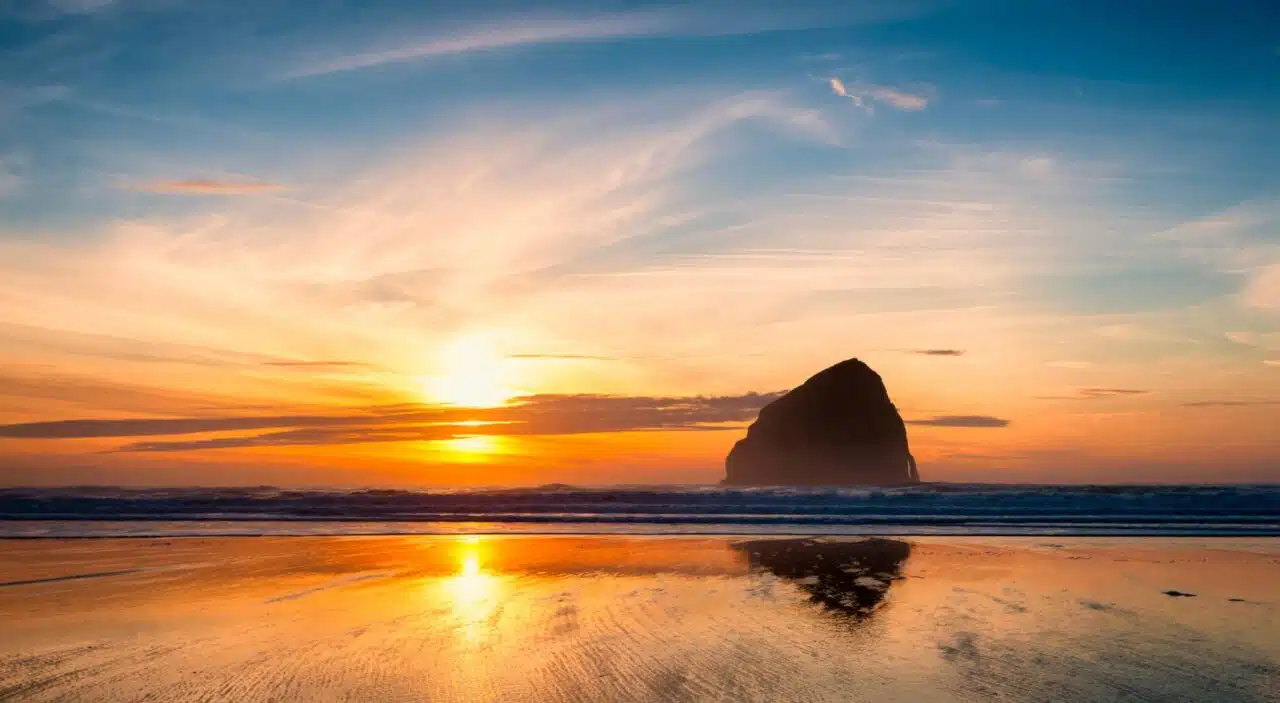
{"x": 434, "y": 243}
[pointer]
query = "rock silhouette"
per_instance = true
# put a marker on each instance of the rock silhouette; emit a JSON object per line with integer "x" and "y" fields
{"x": 848, "y": 578}
{"x": 838, "y": 428}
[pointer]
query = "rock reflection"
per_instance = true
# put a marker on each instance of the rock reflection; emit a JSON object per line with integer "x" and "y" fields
{"x": 846, "y": 577}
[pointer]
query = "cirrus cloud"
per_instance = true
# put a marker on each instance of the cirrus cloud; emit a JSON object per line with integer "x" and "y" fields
{"x": 863, "y": 95}
{"x": 973, "y": 421}
{"x": 532, "y": 415}
{"x": 205, "y": 186}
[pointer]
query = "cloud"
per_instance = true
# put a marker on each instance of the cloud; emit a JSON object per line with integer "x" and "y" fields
{"x": 577, "y": 258}
{"x": 201, "y": 186}
{"x": 1263, "y": 289}
{"x": 66, "y": 346}
{"x": 1238, "y": 242}
{"x": 1110, "y": 392}
{"x": 531, "y": 415}
{"x": 897, "y": 98}
{"x": 317, "y": 364}
{"x": 713, "y": 18}
{"x": 80, "y": 7}
{"x": 1036, "y": 166}
{"x": 562, "y": 357}
{"x": 893, "y": 97}
{"x": 32, "y": 388}
{"x": 10, "y": 180}
{"x": 1229, "y": 403}
{"x": 84, "y": 429}
{"x": 1271, "y": 362}
{"x": 386, "y": 276}
{"x": 527, "y": 33}
{"x": 937, "y": 352}
{"x": 1098, "y": 393}
{"x": 1068, "y": 364}
{"x": 1260, "y": 340}
{"x": 974, "y": 421}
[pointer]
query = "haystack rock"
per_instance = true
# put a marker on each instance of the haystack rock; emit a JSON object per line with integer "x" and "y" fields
{"x": 837, "y": 429}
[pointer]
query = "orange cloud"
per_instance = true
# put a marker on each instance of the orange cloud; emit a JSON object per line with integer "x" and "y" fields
{"x": 204, "y": 186}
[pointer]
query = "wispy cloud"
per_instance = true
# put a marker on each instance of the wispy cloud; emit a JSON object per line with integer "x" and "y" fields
{"x": 1099, "y": 393}
{"x": 974, "y": 421}
{"x": 862, "y": 95}
{"x": 1111, "y": 392}
{"x": 80, "y": 7}
{"x": 527, "y": 33}
{"x": 1263, "y": 290}
{"x": 898, "y": 98}
{"x": 387, "y": 276}
{"x": 203, "y": 186}
{"x": 594, "y": 231}
{"x": 562, "y": 357}
{"x": 1037, "y": 166}
{"x": 10, "y": 181}
{"x": 1229, "y": 403}
{"x": 713, "y": 18}
{"x": 83, "y": 429}
{"x": 335, "y": 364}
{"x": 533, "y": 415}
{"x": 936, "y": 352}
{"x": 1238, "y": 241}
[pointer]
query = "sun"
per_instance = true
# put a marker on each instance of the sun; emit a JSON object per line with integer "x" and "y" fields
{"x": 471, "y": 374}
{"x": 472, "y": 448}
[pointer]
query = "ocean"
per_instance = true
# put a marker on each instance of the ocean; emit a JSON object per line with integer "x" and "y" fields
{"x": 925, "y": 509}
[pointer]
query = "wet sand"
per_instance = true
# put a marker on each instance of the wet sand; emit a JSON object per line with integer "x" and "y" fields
{"x": 639, "y": 619}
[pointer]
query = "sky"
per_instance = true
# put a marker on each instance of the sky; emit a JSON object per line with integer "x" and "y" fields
{"x": 437, "y": 243}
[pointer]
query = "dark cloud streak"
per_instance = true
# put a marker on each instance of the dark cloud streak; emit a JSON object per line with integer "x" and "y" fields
{"x": 317, "y": 364}
{"x": 1110, "y": 392}
{"x": 1098, "y": 394}
{"x": 532, "y": 415}
{"x": 1229, "y": 403}
{"x": 972, "y": 421}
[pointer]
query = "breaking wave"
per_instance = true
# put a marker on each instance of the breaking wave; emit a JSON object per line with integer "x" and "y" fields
{"x": 937, "y": 508}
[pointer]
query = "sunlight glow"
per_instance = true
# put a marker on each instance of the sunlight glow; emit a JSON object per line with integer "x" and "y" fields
{"x": 473, "y": 591}
{"x": 470, "y": 567}
{"x": 472, "y": 447}
{"x": 471, "y": 374}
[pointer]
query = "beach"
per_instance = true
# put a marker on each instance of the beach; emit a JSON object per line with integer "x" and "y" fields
{"x": 630, "y": 618}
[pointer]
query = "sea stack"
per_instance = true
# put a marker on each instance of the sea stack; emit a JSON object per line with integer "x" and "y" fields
{"x": 839, "y": 428}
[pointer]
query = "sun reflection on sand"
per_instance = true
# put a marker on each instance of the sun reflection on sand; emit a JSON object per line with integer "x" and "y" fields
{"x": 473, "y": 592}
